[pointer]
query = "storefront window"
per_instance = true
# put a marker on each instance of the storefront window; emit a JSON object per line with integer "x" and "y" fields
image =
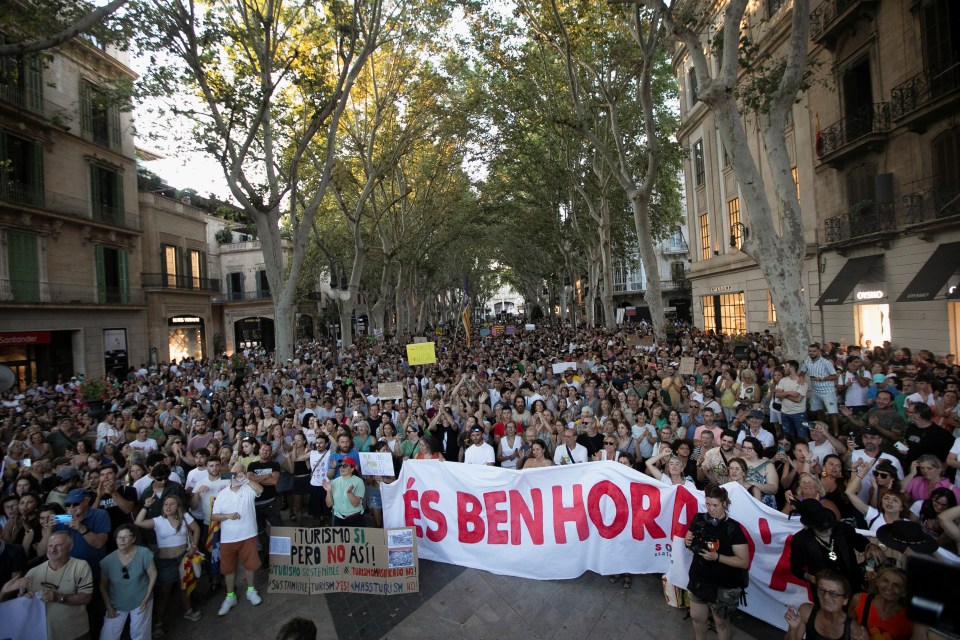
{"x": 873, "y": 324}
{"x": 725, "y": 313}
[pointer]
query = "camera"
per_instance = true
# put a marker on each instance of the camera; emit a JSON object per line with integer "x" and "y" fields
{"x": 701, "y": 542}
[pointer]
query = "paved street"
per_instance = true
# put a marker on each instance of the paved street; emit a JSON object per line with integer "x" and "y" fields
{"x": 466, "y": 603}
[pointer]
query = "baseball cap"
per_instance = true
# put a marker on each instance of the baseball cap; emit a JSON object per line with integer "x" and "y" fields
{"x": 75, "y": 495}
{"x": 350, "y": 460}
{"x": 870, "y": 430}
{"x": 756, "y": 413}
{"x": 879, "y": 378}
{"x": 476, "y": 430}
{"x": 67, "y": 473}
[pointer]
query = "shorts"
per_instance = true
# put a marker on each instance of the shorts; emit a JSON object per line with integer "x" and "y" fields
{"x": 826, "y": 400}
{"x": 168, "y": 569}
{"x": 374, "y": 499}
{"x": 245, "y": 551}
{"x": 723, "y": 601}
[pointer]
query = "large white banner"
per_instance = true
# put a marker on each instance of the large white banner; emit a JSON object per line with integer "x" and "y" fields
{"x": 23, "y": 619}
{"x": 558, "y": 522}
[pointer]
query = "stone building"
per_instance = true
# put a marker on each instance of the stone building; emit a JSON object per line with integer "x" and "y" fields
{"x": 70, "y": 234}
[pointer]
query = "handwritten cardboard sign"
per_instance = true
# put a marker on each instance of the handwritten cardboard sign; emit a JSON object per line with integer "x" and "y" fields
{"x": 687, "y": 365}
{"x": 310, "y": 561}
{"x": 390, "y": 390}
{"x": 421, "y": 353}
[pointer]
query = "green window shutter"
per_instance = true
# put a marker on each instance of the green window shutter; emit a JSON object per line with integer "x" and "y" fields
{"x": 34, "y": 83}
{"x": 117, "y": 217}
{"x": 36, "y": 179}
{"x": 113, "y": 113}
{"x": 101, "y": 276}
{"x": 24, "y": 266}
{"x": 86, "y": 110}
{"x": 124, "y": 280}
{"x": 96, "y": 205}
{"x": 4, "y": 188}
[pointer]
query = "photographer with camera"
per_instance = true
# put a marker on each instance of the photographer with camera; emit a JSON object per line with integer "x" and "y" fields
{"x": 718, "y": 573}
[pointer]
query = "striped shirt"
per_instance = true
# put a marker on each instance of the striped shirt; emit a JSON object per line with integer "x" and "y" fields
{"x": 820, "y": 368}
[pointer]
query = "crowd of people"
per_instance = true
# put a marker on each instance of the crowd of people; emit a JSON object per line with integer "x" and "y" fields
{"x": 105, "y": 512}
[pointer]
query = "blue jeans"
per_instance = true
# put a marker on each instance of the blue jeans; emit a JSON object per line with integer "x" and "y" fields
{"x": 792, "y": 423}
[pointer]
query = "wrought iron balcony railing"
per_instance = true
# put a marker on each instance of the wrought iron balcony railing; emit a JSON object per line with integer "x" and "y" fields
{"x": 863, "y": 220}
{"x": 866, "y": 120}
{"x": 31, "y": 195}
{"x": 63, "y": 293}
{"x": 182, "y": 282}
{"x": 922, "y": 89}
{"x": 832, "y": 17}
{"x": 242, "y": 296}
{"x": 929, "y": 201}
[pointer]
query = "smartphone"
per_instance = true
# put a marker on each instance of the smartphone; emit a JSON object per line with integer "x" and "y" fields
{"x": 781, "y": 449}
{"x": 62, "y": 518}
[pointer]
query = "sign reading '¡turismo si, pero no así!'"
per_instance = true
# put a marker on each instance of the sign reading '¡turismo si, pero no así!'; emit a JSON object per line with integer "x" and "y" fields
{"x": 343, "y": 560}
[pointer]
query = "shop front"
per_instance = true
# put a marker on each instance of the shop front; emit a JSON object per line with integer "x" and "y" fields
{"x": 862, "y": 282}
{"x": 185, "y": 337}
{"x": 724, "y": 312}
{"x": 254, "y": 333}
{"x": 35, "y": 356}
{"x": 940, "y": 273}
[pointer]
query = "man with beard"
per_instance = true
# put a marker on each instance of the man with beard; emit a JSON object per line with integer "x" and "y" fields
{"x": 117, "y": 500}
{"x": 713, "y": 466}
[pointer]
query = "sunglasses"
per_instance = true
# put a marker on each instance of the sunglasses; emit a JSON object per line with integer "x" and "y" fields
{"x": 608, "y": 442}
{"x": 883, "y": 475}
{"x": 126, "y": 572}
{"x": 832, "y": 594}
{"x": 71, "y": 504}
{"x": 346, "y": 465}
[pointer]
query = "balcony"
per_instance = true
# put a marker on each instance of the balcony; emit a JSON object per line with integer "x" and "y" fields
{"x": 234, "y": 247}
{"x": 32, "y": 292}
{"x": 675, "y": 248}
{"x": 29, "y": 195}
{"x": 926, "y": 96}
{"x": 241, "y": 296}
{"x": 21, "y": 100}
{"x": 179, "y": 282}
{"x": 865, "y": 129}
{"x": 929, "y": 201}
{"x": 832, "y": 18}
{"x": 862, "y": 223}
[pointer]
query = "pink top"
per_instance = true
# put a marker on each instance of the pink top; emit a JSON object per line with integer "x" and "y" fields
{"x": 917, "y": 489}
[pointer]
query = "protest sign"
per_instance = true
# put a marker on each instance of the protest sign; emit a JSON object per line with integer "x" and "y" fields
{"x": 376, "y": 464}
{"x": 24, "y": 619}
{"x": 419, "y": 339}
{"x": 632, "y": 340}
{"x": 599, "y": 516}
{"x": 511, "y": 330}
{"x": 309, "y": 561}
{"x": 529, "y": 327}
{"x": 560, "y": 367}
{"x": 390, "y": 390}
{"x": 484, "y": 332}
{"x": 687, "y": 366}
{"x": 498, "y": 329}
{"x": 421, "y": 353}
{"x": 646, "y": 341}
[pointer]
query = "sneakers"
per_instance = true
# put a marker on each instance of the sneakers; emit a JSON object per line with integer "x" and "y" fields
{"x": 228, "y": 603}
{"x": 193, "y": 615}
{"x": 254, "y": 597}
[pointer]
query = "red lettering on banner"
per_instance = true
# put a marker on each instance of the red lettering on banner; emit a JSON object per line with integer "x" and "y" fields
{"x": 495, "y": 517}
{"x": 411, "y": 511}
{"x": 684, "y": 502}
{"x": 435, "y": 516}
{"x": 520, "y": 511}
{"x": 563, "y": 514}
{"x": 645, "y": 518}
{"x": 765, "y": 535}
{"x": 612, "y": 491}
{"x": 782, "y": 576}
{"x": 469, "y": 518}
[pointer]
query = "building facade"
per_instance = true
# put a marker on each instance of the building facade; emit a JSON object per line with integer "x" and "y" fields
{"x": 630, "y": 281}
{"x": 875, "y": 145}
{"x": 176, "y": 279}
{"x": 70, "y": 232}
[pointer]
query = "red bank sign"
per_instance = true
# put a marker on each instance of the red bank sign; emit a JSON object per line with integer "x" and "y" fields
{"x": 24, "y": 338}
{"x": 560, "y": 522}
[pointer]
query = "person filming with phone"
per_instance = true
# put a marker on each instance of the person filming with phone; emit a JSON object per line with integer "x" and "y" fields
{"x": 718, "y": 573}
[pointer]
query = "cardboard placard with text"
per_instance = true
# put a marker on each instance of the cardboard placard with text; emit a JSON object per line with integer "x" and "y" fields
{"x": 687, "y": 365}
{"x": 310, "y": 561}
{"x": 421, "y": 353}
{"x": 390, "y": 391}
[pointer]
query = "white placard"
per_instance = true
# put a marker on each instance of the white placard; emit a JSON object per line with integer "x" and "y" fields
{"x": 376, "y": 464}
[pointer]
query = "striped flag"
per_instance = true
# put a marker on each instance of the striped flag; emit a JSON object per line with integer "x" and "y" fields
{"x": 188, "y": 577}
{"x": 466, "y": 323}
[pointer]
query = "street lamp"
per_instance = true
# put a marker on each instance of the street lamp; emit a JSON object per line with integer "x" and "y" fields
{"x": 738, "y": 231}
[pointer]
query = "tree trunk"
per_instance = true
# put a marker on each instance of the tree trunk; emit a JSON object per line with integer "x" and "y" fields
{"x": 346, "y": 322}
{"x": 606, "y": 269}
{"x": 648, "y": 256}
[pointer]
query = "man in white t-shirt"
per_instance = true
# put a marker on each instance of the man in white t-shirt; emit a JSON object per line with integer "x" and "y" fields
{"x": 823, "y": 444}
{"x": 870, "y": 455}
{"x": 479, "y": 452}
{"x": 143, "y": 443}
{"x": 570, "y": 451}
{"x": 234, "y": 508}
{"x": 205, "y": 491}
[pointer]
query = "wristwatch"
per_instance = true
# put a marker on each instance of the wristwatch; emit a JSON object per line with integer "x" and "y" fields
{"x": 63, "y": 598}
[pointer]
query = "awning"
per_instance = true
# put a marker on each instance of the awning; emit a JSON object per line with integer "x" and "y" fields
{"x": 928, "y": 282}
{"x": 855, "y": 271}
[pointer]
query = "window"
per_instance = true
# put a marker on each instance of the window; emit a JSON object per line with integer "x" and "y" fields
{"x": 945, "y": 150}
{"x": 861, "y": 185}
{"x": 106, "y": 195}
{"x": 678, "y": 272}
{"x": 100, "y": 116}
{"x": 725, "y": 313}
{"x": 698, "y": 166}
{"x": 773, "y": 6}
{"x": 676, "y": 242}
{"x": 171, "y": 265}
{"x": 733, "y": 213}
{"x": 796, "y": 181}
{"x": 235, "y": 285}
{"x": 704, "y": 236}
{"x": 112, "y": 281}
{"x": 196, "y": 268}
{"x": 726, "y": 156}
{"x": 692, "y": 86}
{"x": 23, "y": 267}
{"x": 771, "y": 310}
{"x": 263, "y": 287}
{"x": 21, "y": 80}
{"x": 21, "y": 170}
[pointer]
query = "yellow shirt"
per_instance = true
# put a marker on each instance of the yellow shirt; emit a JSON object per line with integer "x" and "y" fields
{"x": 64, "y": 621}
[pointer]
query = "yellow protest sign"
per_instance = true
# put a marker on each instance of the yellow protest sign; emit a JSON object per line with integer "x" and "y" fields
{"x": 421, "y": 353}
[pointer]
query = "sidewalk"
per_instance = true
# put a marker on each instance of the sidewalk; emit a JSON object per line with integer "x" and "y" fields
{"x": 455, "y": 602}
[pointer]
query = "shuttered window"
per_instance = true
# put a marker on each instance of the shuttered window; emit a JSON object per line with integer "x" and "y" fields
{"x": 23, "y": 265}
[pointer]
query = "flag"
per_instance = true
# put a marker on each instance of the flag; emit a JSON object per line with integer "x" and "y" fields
{"x": 466, "y": 323}
{"x": 466, "y": 292}
{"x": 819, "y": 139}
{"x": 188, "y": 577}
